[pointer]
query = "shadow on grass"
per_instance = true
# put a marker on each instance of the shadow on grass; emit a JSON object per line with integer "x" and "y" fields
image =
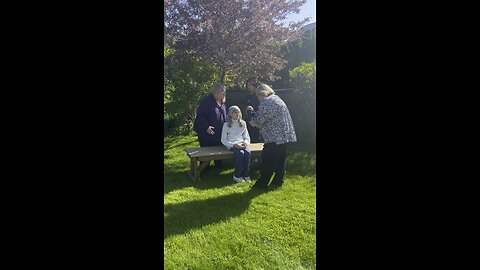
{"x": 211, "y": 179}
{"x": 172, "y": 144}
{"x": 183, "y": 217}
{"x": 177, "y": 177}
{"x": 301, "y": 163}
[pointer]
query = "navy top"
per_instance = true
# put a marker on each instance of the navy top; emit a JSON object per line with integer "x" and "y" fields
{"x": 252, "y": 100}
{"x": 209, "y": 113}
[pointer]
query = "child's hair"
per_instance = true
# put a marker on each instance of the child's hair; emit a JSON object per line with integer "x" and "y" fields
{"x": 229, "y": 116}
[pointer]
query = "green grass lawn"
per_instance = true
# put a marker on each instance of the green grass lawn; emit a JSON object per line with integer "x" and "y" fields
{"x": 219, "y": 224}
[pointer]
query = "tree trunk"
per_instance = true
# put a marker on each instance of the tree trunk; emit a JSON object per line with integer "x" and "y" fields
{"x": 192, "y": 113}
{"x": 222, "y": 76}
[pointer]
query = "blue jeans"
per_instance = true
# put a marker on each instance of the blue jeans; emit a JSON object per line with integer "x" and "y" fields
{"x": 242, "y": 162}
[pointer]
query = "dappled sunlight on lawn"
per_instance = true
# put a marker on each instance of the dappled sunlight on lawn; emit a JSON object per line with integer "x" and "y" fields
{"x": 219, "y": 208}
{"x": 218, "y": 218}
{"x": 194, "y": 193}
{"x": 301, "y": 163}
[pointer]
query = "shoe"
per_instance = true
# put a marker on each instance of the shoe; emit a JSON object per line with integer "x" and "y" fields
{"x": 238, "y": 179}
{"x": 247, "y": 179}
{"x": 258, "y": 187}
{"x": 276, "y": 184}
{"x": 275, "y": 187}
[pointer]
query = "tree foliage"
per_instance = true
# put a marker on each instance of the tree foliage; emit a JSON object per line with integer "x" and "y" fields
{"x": 304, "y": 81}
{"x": 296, "y": 52}
{"x": 188, "y": 78}
{"x": 241, "y": 37}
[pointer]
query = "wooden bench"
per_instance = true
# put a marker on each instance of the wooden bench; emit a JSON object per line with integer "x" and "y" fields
{"x": 206, "y": 154}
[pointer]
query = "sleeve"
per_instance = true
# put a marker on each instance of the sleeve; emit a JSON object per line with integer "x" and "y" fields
{"x": 246, "y": 100}
{"x": 265, "y": 113}
{"x": 255, "y": 104}
{"x": 201, "y": 124}
{"x": 224, "y": 136}
{"x": 246, "y": 136}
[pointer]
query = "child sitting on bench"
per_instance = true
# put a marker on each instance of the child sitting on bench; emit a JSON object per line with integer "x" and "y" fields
{"x": 235, "y": 137}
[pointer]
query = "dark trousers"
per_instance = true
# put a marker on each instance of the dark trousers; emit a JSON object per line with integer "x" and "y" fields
{"x": 274, "y": 159}
{"x": 254, "y": 134}
{"x": 205, "y": 143}
{"x": 242, "y": 162}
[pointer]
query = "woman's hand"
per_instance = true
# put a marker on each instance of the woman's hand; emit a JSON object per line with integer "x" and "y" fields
{"x": 253, "y": 124}
{"x": 210, "y": 130}
{"x": 238, "y": 146}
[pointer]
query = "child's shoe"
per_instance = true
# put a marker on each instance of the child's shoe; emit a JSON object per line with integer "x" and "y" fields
{"x": 238, "y": 179}
{"x": 247, "y": 179}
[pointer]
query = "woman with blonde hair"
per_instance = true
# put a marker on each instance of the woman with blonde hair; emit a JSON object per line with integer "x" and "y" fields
{"x": 276, "y": 127}
{"x": 211, "y": 115}
{"x": 236, "y": 138}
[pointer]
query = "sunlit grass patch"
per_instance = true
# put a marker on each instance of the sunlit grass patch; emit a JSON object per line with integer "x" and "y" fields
{"x": 218, "y": 224}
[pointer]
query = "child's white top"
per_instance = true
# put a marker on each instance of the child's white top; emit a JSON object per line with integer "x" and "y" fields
{"x": 235, "y": 134}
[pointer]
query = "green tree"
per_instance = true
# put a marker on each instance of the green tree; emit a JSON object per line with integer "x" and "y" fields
{"x": 304, "y": 81}
{"x": 240, "y": 37}
{"x": 296, "y": 52}
{"x": 187, "y": 79}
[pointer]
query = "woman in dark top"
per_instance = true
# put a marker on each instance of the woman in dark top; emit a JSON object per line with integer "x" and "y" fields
{"x": 211, "y": 115}
{"x": 252, "y": 101}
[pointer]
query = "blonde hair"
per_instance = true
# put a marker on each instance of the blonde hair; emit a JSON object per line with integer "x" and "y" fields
{"x": 264, "y": 90}
{"x": 231, "y": 110}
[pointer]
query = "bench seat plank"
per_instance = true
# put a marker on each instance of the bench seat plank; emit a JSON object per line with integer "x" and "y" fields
{"x": 213, "y": 151}
{"x": 206, "y": 154}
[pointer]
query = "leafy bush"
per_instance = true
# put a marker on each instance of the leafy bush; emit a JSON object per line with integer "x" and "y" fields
{"x": 304, "y": 80}
{"x": 296, "y": 52}
{"x": 188, "y": 79}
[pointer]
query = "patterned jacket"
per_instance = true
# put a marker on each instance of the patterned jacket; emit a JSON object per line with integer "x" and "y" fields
{"x": 275, "y": 121}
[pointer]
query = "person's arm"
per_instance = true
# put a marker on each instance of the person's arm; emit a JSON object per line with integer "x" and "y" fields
{"x": 255, "y": 104}
{"x": 246, "y": 136}
{"x": 247, "y": 100}
{"x": 201, "y": 123}
{"x": 224, "y": 137}
{"x": 265, "y": 113}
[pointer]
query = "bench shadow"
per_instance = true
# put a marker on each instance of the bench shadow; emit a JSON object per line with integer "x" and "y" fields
{"x": 211, "y": 179}
{"x": 183, "y": 217}
{"x": 302, "y": 163}
{"x": 173, "y": 145}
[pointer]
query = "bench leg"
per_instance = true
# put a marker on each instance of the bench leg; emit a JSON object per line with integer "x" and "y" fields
{"x": 193, "y": 169}
{"x": 203, "y": 165}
